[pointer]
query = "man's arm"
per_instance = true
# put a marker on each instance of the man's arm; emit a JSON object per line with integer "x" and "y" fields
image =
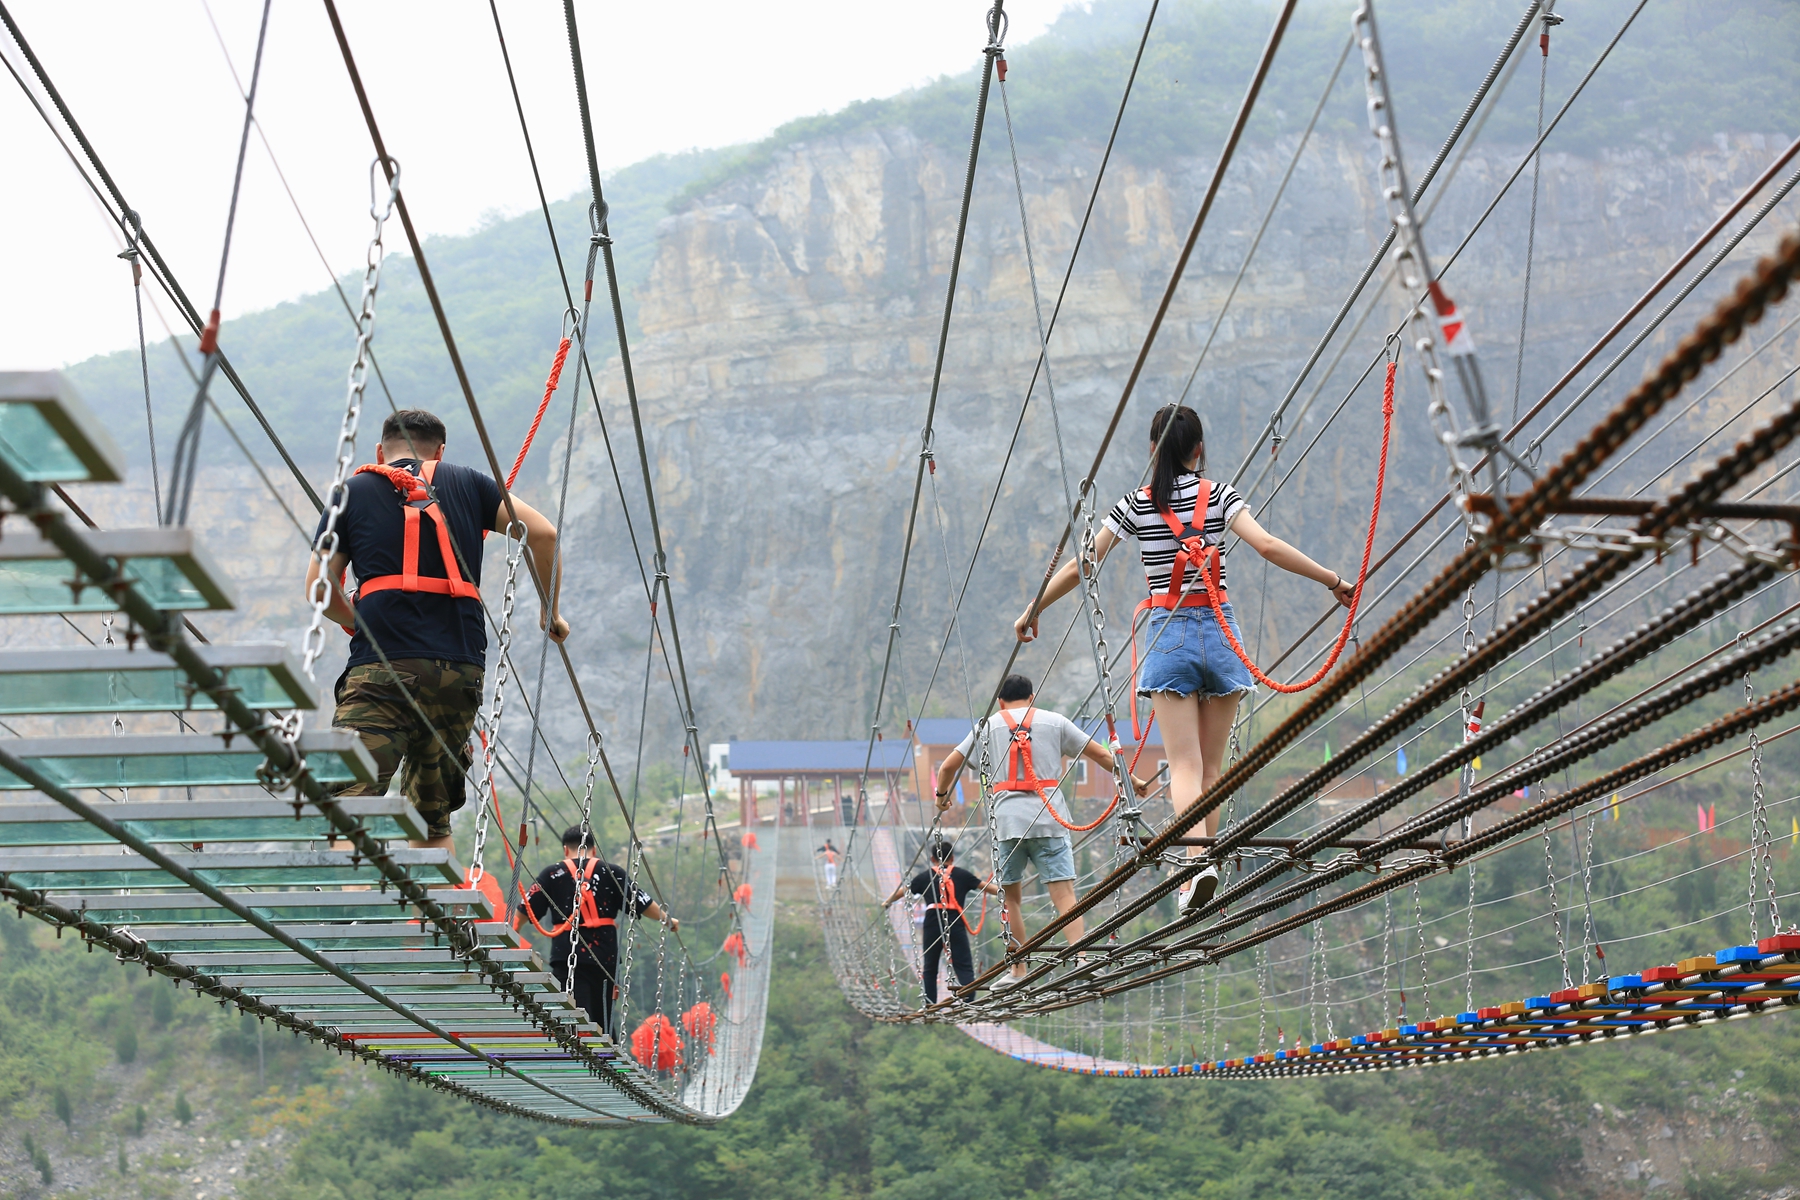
{"x": 540, "y": 543}
{"x": 654, "y": 911}
{"x": 337, "y": 606}
{"x": 1097, "y": 753}
{"x": 948, "y": 770}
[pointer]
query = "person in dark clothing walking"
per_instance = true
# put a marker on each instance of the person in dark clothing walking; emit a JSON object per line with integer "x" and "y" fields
{"x": 946, "y": 889}
{"x": 411, "y": 531}
{"x": 605, "y": 892}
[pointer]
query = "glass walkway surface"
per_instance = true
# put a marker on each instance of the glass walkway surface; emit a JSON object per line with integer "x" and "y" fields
{"x": 226, "y": 865}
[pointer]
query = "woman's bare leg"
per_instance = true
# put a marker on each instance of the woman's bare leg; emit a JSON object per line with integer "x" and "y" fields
{"x": 1179, "y": 719}
{"x": 1217, "y": 713}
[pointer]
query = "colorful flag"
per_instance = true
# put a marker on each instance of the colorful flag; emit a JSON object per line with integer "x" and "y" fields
{"x": 1700, "y": 819}
{"x": 1400, "y": 759}
{"x": 1328, "y": 750}
{"x": 1477, "y": 763}
{"x": 1712, "y": 817}
{"x": 1795, "y": 841}
{"x": 1615, "y": 806}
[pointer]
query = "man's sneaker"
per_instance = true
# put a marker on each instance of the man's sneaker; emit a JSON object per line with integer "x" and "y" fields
{"x": 1009, "y": 980}
{"x": 1198, "y": 890}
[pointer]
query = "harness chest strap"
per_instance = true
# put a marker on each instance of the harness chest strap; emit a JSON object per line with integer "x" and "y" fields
{"x": 414, "y": 489}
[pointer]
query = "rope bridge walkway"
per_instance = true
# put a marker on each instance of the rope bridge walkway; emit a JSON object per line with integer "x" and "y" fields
{"x": 1683, "y": 583}
{"x": 229, "y": 862}
{"x": 235, "y": 888}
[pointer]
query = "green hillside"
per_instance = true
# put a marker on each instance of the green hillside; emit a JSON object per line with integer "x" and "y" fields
{"x": 846, "y": 1108}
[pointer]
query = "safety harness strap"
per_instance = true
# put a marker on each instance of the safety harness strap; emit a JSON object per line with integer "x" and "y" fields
{"x": 1191, "y": 538}
{"x": 1021, "y": 770}
{"x": 414, "y": 489}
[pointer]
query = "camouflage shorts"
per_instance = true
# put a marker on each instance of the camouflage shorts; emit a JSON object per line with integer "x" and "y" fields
{"x": 448, "y": 694}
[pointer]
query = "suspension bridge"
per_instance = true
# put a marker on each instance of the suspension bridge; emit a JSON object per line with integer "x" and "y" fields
{"x": 224, "y": 856}
{"x": 1140, "y": 989}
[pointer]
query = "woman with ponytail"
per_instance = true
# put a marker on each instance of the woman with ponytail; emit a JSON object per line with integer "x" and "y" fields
{"x": 1191, "y": 674}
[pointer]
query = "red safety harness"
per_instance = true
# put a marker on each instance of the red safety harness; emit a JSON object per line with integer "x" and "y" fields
{"x": 947, "y": 901}
{"x": 1023, "y": 776}
{"x": 588, "y": 906}
{"x": 417, "y": 500}
{"x": 1195, "y": 553}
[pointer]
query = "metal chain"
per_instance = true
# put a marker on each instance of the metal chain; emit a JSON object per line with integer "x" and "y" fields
{"x": 1424, "y": 962}
{"x": 588, "y": 842}
{"x": 325, "y": 546}
{"x": 1416, "y": 278}
{"x": 1589, "y": 935}
{"x": 1387, "y": 933}
{"x": 1262, "y": 1001}
{"x": 497, "y": 705}
{"x": 1469, "y": 945}
{"x": 1562, "y": 948}
{"x": 1761, "y": 835}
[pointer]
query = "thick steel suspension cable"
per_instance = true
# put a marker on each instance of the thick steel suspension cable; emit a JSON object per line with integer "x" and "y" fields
{"x": 990, "y": 55}
{"x": 1766, "y": 285}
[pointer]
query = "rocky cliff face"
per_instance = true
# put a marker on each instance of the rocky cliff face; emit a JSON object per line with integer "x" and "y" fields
{"x": 791, "y": 322}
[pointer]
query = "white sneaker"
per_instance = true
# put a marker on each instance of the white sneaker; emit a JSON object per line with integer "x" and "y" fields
{"x": 1009, "y": 980}
{"x": 1197, "y": 891}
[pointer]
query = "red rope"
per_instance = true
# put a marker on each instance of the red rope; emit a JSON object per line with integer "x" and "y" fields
{"x": 1362, "y": 575}
{"x": 556, "y": 367}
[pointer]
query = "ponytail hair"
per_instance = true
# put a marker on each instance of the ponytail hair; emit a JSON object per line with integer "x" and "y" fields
{"x": 1176, "y": 433}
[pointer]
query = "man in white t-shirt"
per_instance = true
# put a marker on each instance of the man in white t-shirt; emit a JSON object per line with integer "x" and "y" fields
{"x": 1030, "y": 814}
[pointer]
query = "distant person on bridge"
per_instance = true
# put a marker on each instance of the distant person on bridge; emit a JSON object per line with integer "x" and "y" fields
{"x": 830, "y": 854}
{"x": 946, "y": 889}
{"x": 412, "y": 528}
{"x": 606, "y": 891}
{"x": 1024, "y": 748}
{"x": 1191, "y": 674}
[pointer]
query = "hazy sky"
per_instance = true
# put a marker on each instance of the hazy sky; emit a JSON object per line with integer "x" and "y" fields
{"x": 150, "y": 85}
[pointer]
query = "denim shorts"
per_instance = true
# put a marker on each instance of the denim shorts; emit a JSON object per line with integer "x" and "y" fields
{"x": 1053, "y": 857}
{"x": 1189, "y": 656}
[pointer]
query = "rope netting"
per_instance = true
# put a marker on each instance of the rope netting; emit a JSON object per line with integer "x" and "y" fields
{"x": 1478, "y": 802}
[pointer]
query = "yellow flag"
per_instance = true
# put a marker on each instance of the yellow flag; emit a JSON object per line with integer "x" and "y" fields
{"x": 1615, "y": 806}
{"x": 1795, "y": 840}
{"x": 1477, "y": 763}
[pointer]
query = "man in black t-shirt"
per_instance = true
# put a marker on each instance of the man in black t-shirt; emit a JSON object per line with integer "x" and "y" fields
{"x": 945, "y": 920}
{"x": 606, "y": 891}
{"x": 411, "y": 528}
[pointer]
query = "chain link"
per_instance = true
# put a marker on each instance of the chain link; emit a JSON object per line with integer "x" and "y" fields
{"x": 1424, "y": 963}
{"x": 1562, "y": 947}
{"x": 515, "y": 533}
{"x": 325, "y": 547}
{"x": 1469, "y": 945}
{"x": 1589, "y": 935}
{"x": 1762, "y": 837}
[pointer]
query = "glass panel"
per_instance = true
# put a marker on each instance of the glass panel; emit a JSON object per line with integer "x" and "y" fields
{"x": 156, "y": 689}
{"x": 206, "y": 832}
{"x": 41, "y": 585}
{"x": 218, "y": 768}
{"x": 32, "y": 447}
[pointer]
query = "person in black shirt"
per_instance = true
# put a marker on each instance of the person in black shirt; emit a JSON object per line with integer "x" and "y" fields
{"x": 411, "y": 528}
{"x": 945, "y": 919}
{"x": 606, "y": 891}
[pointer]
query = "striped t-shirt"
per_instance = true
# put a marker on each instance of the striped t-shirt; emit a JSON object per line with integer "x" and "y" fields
{"x": 1134, "y": 517}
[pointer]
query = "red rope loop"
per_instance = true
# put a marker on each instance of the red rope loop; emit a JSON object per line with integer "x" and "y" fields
{"x": 1362, "y": 575}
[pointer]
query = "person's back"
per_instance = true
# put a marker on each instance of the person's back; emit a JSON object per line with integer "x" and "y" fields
{"x": 410, "y": 527}
{"x": 372, "y": 532}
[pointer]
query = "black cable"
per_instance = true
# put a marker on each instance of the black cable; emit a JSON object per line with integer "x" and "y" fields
{"x": 187, "y": 444}
{"x": 159, "y": 269}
